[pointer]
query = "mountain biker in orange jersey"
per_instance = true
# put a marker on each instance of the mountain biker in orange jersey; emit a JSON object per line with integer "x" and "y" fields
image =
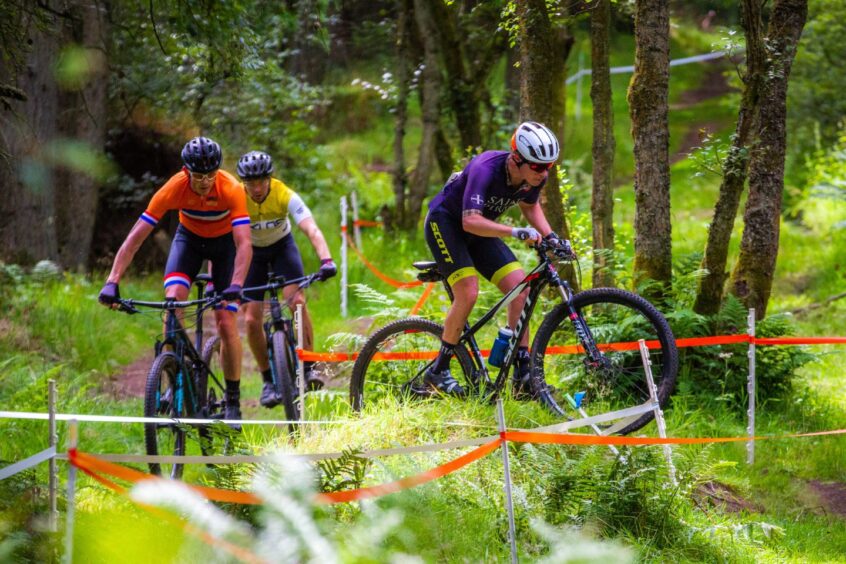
{"x": 465, "y": 238}
{"x": 272, "y": 206}
{"x": 213, "y": 225}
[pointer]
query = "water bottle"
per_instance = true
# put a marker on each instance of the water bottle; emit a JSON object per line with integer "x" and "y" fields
{"x": 499, "y": 347}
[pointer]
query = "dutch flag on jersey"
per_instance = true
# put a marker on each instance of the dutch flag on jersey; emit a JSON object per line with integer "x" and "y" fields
{"x": 240, "y": 220}
{"x": 149, "y": 218}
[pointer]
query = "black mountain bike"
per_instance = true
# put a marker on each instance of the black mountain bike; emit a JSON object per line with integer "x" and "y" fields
{"x": 586, "y": 346}
{"x": 282, "y": 343}
{"x": 178, "y": 382}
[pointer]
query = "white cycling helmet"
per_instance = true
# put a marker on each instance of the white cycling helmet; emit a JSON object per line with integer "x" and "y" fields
{"x": 535, "y": 142}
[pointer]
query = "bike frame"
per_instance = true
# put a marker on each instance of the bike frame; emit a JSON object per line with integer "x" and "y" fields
{"x": 544, "y": 273}
{"x": 177, "y": 338}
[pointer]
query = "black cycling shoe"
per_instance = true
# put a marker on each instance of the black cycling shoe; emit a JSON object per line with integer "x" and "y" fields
{"x": 269, "y": 396}
{"x": 232, "y": 410}
{"x": 522, "y": 388}
{"x": 444, "y": 383}
{"x": 312, "y": 381}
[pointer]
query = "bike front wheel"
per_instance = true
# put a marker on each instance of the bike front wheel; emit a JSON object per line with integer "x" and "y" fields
{"x": 282, "y": 363}
{"x": 394, "y": 358}
{"x": 616, "y": 320}
{"x": 214, "y": 439}
{"x": 163, "y": 397}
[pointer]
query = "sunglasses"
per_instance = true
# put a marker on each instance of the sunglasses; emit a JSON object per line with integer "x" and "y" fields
{"x": 197, "y": 177}
{"x": 537, "y": 167}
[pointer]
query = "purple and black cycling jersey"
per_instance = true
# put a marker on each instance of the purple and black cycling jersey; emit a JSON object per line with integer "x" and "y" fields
{"x": 483, "y": 186}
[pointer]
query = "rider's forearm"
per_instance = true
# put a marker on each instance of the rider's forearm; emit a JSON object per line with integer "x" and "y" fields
{"x": 243, "y": 254}
{"x": 536, "y": 218}
{"x": 318, "y": 241}
{"x": 127, "y": 250}
{"x": 477, "y": 224}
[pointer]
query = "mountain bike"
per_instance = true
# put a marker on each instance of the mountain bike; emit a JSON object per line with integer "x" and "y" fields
{"x": 282, "y": 343}
{"x": 178, "y": 381}
{"x": 586, "y": 346}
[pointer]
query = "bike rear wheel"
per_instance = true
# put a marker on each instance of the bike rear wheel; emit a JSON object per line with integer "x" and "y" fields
{"x": 282, "y": 364}
{"x": 163, "y": 397}
{"x": 394, "y": 358}
{"x": 619, "y": 380}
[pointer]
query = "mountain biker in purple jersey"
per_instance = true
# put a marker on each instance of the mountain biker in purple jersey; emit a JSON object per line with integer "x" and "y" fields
{"x": 465, "y": 239}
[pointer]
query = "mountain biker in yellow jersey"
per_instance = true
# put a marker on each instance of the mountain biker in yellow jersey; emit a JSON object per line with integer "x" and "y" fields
{"x": 272, "y": 206}
{"x": 465, "y": 239}
{"x": 214, "y": 226}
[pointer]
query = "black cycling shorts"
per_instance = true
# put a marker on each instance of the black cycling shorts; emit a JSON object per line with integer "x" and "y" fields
{"x": 282, "y": 257}
{"x": 460, "y": 254}
{"x": 187, "y": 253}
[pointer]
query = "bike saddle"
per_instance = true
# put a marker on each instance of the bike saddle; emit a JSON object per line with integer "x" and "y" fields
{"x": 202, "y": 278}
{"x": 429, "y": 271}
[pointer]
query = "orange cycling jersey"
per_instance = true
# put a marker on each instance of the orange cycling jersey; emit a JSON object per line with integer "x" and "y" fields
{"x": 212, "y": 215}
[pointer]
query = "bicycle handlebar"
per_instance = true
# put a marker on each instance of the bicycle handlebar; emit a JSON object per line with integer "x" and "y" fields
{"x": 564, "y": 252}
{"x": 277, "y": 282}
{"x": 129, "y": 305}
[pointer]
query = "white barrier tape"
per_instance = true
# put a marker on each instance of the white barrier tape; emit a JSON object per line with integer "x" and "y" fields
{"x": 27, "y": 463}
{"x": 627, "y": 413}
{"x": 257, "y": 459}
{"x": 630, "y": 68}
{"x": 128, "y": 419}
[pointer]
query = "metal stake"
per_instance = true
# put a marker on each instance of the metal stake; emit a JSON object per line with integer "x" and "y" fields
{"x": 356, "y": 226}
{"x": 298, "y": 321}
{"x": 509, "y": 501}
{"x": 344, "y": 265}
{"x": 656, "y": 406}
{"x": 750, "y": 389}
{"x": 53, "y": 521}
{"x": 73, "y": 434}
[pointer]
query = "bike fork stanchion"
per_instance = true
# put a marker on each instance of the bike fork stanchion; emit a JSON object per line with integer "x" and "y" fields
{"x": 656, "y": 407}
{"x": 344, "y": 261}
{"x": 53, "y": 520}
{"x": 509, "y": 500}
{"x": 298, "y": 321}
{"x": 750, "y": 389}
{"x": 73, "y": 433}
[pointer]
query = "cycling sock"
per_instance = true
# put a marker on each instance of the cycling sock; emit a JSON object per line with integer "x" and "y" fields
{"x": 266, "y": 375}
{"x": 233, "y": 387}
{"x": 444, "y": 356}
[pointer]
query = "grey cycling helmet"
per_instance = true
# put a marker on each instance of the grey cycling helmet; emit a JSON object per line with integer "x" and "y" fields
{"x": 255, "y": 164}
{"x": 535, "y": 143}
{"x": 202, "y": 155}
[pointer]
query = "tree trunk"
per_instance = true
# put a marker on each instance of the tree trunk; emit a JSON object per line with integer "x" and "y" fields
{"x": 460, "y": 86}
{"x": 430, "y": 80}
{"x": 602, "y": 202}
{"x": 543, "y": 63}
{"x": 309, "y": 61}
{"x": 736, "y": 165}
{"x": 83, "y": 119}
{"x": 404, "y": 58}
{"x": 511, "y": 99}
{"x": 28, "y": 230}
{"x": 647, "y": 98}
{"x": 752, "y": 277}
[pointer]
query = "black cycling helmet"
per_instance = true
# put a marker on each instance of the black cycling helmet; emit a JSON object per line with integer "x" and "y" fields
{"x": 255, "y": 164}
{"x": 202, "y": 155}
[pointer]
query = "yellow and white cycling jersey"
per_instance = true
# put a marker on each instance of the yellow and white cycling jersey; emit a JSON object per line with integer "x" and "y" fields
{"x": 270, "y": 220}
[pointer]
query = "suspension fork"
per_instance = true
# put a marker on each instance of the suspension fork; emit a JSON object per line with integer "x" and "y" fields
{"x": 579, "y": 325}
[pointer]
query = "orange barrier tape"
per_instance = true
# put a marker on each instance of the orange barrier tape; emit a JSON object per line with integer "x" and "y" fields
{"x": 572, "y": 439}
{"x": 411, "y": 481}
{"x": 800, "y": 340}
{"x": 429, "y": 287}
{"x": 374, "y": 270}
{"x": 366, "y": 223}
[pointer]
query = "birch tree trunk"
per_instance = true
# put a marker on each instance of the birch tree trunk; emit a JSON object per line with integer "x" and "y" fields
{"x": 648, "y": 94}
{"x": 602, "y": 202}
{"x": 752, "y": 277}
